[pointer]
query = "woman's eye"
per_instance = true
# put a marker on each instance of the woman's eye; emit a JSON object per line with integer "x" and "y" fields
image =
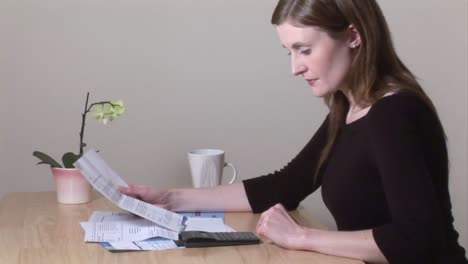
{"x": 302, "y": 52}
{"x": 305, "y": 52}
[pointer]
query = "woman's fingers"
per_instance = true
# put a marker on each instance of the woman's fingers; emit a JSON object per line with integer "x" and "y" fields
{"x": 259, "y": 229}
{"x": 137, "y": 191}
{"x": 122, "y": 189}
{"x": 276, "y": 225}
{"x": 264, "y": 221}
{"x": 280, "y": 208}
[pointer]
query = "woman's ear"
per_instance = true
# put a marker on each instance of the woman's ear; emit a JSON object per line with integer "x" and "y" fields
{"x": 354, "y": 37}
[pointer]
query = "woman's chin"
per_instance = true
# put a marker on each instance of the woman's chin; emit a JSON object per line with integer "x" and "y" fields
{"x": 318, "y": 93}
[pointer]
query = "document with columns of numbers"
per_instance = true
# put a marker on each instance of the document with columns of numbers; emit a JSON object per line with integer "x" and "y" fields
{"x": 105, "y": 180}
{"x": 123, "y": 231}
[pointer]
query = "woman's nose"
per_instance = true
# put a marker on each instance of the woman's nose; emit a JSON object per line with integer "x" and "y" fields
{"x": 297, "y": 68}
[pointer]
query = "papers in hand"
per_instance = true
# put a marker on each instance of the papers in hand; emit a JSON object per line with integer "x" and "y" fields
{"x": 155, "y": 229}
{"x": 105, "y": 180}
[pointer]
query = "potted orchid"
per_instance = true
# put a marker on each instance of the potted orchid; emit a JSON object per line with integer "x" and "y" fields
{"x": 72, "y": 187}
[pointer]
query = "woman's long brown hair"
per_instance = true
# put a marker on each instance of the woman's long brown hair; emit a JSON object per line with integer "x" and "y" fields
{"x": 376, "y": 69}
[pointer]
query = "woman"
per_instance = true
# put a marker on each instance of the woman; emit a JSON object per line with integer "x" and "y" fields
{"x": 380, "y": 155}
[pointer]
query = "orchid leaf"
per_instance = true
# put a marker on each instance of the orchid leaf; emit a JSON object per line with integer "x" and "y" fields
{"x": 46, "y": 159}
{"x": 69, "y": 158}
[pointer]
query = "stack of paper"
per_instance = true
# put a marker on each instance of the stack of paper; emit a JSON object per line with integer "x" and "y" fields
{"x": 125, "y": 231}
{"x": 149, "y": 227}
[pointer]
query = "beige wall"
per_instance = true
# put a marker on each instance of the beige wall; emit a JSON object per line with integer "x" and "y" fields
{"x": 194, "y": 74}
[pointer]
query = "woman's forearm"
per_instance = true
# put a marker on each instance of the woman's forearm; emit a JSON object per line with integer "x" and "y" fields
{"x": 352, "y": 244}
{"x": 229, "y": 197}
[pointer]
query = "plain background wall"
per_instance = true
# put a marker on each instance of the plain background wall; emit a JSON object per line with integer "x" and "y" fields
{"x": 194, "y": 74}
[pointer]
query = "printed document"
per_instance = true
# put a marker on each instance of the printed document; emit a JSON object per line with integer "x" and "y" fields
{"x": 105, "y": 180}
{"x": 116, "y": 231}
{"x": 124, "y": 231}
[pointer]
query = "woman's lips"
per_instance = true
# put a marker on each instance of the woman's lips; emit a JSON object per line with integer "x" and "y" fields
{"x": 311, "y": 82}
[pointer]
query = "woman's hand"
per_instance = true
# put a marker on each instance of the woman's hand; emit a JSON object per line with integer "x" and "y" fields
{"x": 152, "y": 195}
{"x": 276, "y": 225}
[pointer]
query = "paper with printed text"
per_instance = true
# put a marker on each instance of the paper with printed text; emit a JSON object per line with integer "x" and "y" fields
{"x": 105, "y": 180}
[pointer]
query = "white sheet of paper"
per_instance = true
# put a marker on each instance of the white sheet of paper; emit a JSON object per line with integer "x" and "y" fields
{"x": 156, "y": 244}
{"x": 112, "y": 216}
{"x": 212, "y": 223}
{"x": 207, "y": 225}
{"x": 152, "y": 244}
{"x": 124, "y": 231}
{"x": 124, "y": 245}
{"x": 206, "y": 221}
{"x": 105, "y": 180}
{"x": 126, "y": 217}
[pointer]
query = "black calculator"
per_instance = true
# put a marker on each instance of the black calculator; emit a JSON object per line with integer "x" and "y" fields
{"x": 193, "y": 239}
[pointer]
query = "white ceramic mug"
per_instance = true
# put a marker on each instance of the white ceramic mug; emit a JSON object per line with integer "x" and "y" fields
{"x": 206, "y": 167}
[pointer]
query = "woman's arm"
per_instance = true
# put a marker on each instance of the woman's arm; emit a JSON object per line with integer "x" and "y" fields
{"x": 354, "y": 244}
{"x": 230, "y": 197}
{"x": 276, "y": 225}
{"x": 294, "y": 182}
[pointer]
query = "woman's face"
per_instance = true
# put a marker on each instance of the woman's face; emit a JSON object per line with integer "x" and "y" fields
{"x": 321, "y": 60}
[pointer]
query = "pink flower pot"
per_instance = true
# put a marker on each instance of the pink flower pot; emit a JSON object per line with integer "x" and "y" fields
{"x": 72, "y": 187}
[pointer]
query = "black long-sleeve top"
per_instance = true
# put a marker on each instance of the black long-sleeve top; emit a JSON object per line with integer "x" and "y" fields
{"x": 387, "y": 172}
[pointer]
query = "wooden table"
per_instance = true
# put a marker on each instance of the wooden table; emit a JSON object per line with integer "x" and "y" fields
{"x": 34, "y": 228}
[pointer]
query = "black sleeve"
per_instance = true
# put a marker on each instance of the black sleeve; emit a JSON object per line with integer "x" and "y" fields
{"x": 290, "y": 185}
{"x": 397, "y": 140}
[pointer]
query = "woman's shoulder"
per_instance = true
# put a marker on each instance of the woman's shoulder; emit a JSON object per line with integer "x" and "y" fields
{"x": 395, "y": 105}
{"x": 402, "y": 111}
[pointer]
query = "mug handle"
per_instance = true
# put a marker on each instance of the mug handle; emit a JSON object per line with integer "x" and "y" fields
{"x": 234, "y": 176}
